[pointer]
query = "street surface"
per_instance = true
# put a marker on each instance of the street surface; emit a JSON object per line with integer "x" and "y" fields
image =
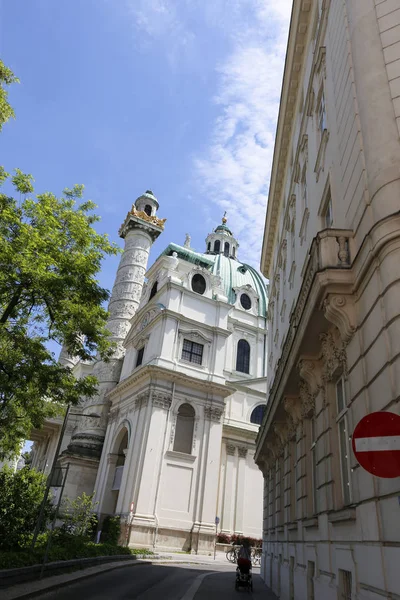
{"x": 165, "y": 582}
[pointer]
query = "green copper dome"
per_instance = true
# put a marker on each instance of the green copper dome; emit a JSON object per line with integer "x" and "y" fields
{"x": 223, "y": 229}
{"x": 233, "y": 273}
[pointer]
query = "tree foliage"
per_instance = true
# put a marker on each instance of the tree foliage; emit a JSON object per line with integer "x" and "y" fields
{"x": 79, "y": 516}
{"x": 21, "y": 494}
{"x": 50, "y": 255}
{"x": 7, "y": 77}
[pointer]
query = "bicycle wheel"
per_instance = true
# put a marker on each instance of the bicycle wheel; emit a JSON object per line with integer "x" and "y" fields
{"x": 230, "y": 555}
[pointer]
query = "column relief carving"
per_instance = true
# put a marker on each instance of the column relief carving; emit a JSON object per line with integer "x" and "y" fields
{"x": 243, "y": 452}
{"x": 212, "y": 413}
{"x": 292, "y": 406}
{"x": 334, "y": 357}
{"x": 230, "y": 449}
{"x": 162, "y": 400}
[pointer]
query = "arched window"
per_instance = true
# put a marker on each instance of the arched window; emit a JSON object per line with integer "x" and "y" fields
{"x": 243, "y": 357}
{"x": 153, "y": 290}
{"x": 198, "y": 284}
{"x": 217, "y": 246}
{"x": 147, "y": 210}
{"x": 184, "y": 429}
{"x": 208, "y": 246}
{"x": 233, "y": 251}
{"x": 258, "y": 414}
{"x": 226, "y": 249}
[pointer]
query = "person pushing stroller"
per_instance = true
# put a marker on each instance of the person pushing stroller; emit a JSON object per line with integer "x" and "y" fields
{"x": 243, "y": 570}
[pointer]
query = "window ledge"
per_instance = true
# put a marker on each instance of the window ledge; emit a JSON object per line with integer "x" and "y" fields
{"x": 338, "y": 516}
{"x": 192, "y": 364}
{"x": 180, "y": 456}
{"x": 308, "y": 523}
{"x": 280, "y": 529}
{"x": 291, "y": 526}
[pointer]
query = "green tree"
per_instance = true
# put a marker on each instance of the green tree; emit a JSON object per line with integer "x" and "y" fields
{"x": 79, "y": 516}
{"x": 21, "y": 494}
{"x": 7, "y": 77}
{"x": 50, "y": 255}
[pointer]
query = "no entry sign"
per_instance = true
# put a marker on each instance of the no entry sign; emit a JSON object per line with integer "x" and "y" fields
{"x": 376, "y": 444}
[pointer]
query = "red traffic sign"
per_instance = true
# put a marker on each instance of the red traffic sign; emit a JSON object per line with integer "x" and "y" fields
{"x": 376, "y": 444}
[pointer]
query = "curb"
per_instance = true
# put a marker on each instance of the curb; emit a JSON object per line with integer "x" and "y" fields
{"x": 80, "y": 576}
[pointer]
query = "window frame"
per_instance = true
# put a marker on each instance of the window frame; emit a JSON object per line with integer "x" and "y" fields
{"x": 342, "y": 420}
{"x": 189, "y": 360}
{"x": 246, "y": 360}
{"x": 263, "y": 406}
{"x": 198, "y": 275}
{"x": 139, "y": 357}
{"x": 179, "y": 419}
{"x": 313, "y": 453}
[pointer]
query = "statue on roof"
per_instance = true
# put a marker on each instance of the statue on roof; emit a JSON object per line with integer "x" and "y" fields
{"x": 187, "y": 241}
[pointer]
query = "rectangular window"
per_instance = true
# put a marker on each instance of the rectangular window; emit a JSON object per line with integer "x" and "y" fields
{"x": 192, "y": 352}
{"x": 291, "y": 578}
{"x": 139, "y": 359}
{"x": 343, "y": 439}
{"x": 344, "y": 585}
{"x": 322, "y": 115}
{"x": 328, "y": 215}
{"x": 314, "y": 465}
{"x": 310, "y": 580}
{"x": 304, "y": 188}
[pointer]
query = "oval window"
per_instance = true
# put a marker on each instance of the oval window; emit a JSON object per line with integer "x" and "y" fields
{"x": 245, "y": 301}
{"x": 198, "y": 284}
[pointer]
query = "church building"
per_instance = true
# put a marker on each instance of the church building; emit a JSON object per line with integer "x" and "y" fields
{"x": 168, "y": 442}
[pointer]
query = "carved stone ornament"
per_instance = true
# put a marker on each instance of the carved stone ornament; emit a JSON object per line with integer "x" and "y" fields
{"x": 242, "y": 452}
{"x": 212, "y": 413}
{"x": 230, "y": 449}
{"x": 340, "y": 311}
{"x": 307, "y": 400}
{"x": 281, "y": 429}
{"x": 113, "y": 415}
{"x": 311, "y": 371}
{"x": 334, "y": 357}
{"x": 292, "y": 406}
{"x": 162, "y": 400}
{"x": 142, "y": 399}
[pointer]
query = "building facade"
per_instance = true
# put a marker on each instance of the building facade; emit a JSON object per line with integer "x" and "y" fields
{"x": 331, "y": 251}
{"x": 168, "y": 443}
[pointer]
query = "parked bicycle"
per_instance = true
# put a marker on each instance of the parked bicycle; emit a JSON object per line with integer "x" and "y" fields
{"x": 256, "y": 556}
{"x": 232, "y": 554}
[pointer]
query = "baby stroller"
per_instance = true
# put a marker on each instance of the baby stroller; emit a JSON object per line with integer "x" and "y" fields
{"x": 243, "y": 575}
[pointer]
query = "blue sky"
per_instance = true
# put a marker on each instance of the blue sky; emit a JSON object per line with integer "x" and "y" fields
{"x": 179, "y": 96}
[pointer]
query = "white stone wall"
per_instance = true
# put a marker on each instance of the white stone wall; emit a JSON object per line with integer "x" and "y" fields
{"x": 351, "y": 49}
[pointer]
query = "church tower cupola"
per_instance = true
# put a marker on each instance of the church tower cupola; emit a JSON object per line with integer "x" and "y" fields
{"x": 147, "y": 203}
{"x": 222, "y": 241}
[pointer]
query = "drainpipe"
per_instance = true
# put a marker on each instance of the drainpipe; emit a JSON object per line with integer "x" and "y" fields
{"x": 161, "y": 464}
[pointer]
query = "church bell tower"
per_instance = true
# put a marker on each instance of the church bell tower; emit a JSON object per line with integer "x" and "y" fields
{"x": 139, "y": 230}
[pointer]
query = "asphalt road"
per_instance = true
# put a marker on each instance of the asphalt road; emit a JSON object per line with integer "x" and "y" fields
{"x": 161, "y": 582}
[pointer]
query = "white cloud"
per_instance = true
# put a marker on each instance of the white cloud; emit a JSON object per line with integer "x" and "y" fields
{"x": 233, "y": 172}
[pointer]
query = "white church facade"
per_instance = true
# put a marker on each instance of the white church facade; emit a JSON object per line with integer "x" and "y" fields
{"x": 168, "y": 442}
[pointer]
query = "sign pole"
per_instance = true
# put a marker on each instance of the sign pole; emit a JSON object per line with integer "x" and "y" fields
{"x": 216, "y": 533}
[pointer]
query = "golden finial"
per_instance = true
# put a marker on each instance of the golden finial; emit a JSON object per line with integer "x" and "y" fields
{"x": 224, "y": 219}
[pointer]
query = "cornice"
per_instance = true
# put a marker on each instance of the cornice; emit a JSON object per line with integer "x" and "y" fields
{"x": 295, "y": 57}
{"x": 149, "y": 371}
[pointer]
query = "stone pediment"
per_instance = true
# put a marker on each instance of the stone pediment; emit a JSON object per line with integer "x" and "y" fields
{"x": 142, "y": 322}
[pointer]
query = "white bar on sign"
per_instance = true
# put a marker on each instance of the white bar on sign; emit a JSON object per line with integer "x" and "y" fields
{"x": 376, "y": 444}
